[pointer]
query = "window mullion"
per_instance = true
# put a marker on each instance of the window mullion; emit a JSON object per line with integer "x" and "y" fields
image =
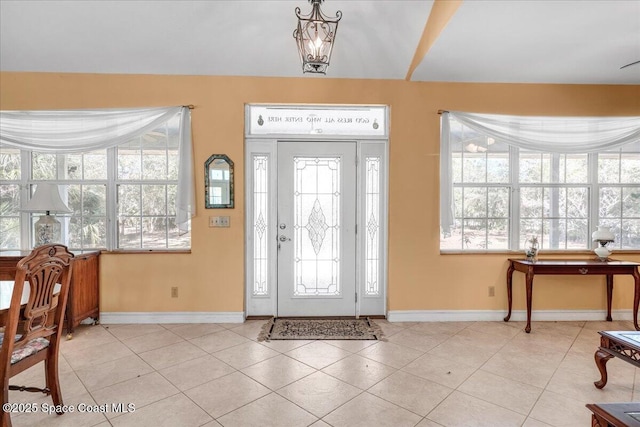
{"x": 514, "y": 217}
{"x": 112, "y": 199}
{"x": 594, "y": 194}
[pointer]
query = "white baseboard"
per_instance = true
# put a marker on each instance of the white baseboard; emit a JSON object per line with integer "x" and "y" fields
{"x": 172, "y": 317}
{"x": 498, "y": 315}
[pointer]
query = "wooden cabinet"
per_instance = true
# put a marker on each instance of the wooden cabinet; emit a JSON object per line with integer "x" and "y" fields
{"x": 84, "y": 293}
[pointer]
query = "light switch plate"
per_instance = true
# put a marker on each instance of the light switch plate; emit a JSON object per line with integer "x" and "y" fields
{"x": 219, "y": 221}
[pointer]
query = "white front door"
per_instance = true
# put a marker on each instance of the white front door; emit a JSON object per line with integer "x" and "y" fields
{"x": 316, "y": 228}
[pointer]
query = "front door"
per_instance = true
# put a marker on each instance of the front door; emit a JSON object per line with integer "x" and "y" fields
{"x": 316, "y": 229}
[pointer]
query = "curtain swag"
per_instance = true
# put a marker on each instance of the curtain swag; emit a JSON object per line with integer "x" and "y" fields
{"x": 76, "y": 131}
{"x": 547, "y": 134}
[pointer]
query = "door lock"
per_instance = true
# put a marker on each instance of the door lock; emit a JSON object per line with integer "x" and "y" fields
{"x": 284, "y": 238}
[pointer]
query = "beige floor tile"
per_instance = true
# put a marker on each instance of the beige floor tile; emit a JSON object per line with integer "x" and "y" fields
{"x": 283, "y": 346}
{"x": 367, "y": 410}
{"x": 98, "y": 354}
{"x": 390, "y": 354}
{"x": 411, "y": 392}
{"x": 139, "y": 391}
{"x": 530, "y": 422}
{"x": 86, "y": 336}
{"x": 501, "y": 329}
{"x": 123, "y": 332}
{"x": 418, "y": 340}
{"x": 226, "y": 394}
{"x": 359, "y": 371}
{"x": 581, "y": 387}
{"x": 319, "y": 393}
{"x": 353, "y": 346}
{"x": 448, "y": 328}
{"x": 278, "y": 371}
{"x": 389, "y": 329}
{"x": 271, "y": 410}
{"x": 470, "y": 348}
{"x": 195, "y": 372}
{"x": 616, "y": 325}
{"x": 45, "y": 417}
{"x": 244, "y": 355}
{"x": 320, "y": 423}
{"x": 440, "y": 370}
{"x": 546, "y": 338}
{"x": 501, "y": 391}
{"x": 428, "y": 423}
{"x": 318, "y": 354}
{"x": 249, "y": 329}
{"x": 152, "y": 341}
{"x": 194, "y": 330}
{"x": 172, "y": 354}
{"x": 529, "y": 364}
{"x": 461, "y": 410}
{"x": 174, "y": 411}
{"x": 218, "y": 341}
{"x": 558, "y": 410}
{"x": 103, "y": 375}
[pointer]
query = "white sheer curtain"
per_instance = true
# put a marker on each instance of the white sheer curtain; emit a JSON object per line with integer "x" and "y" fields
{"x": 75, "y": 131}
{"x": 546, "y": 134}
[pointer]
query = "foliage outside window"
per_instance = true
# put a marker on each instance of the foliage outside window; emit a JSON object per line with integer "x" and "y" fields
{"x": 503, "y": 194}
{"x": 122, "y": 197}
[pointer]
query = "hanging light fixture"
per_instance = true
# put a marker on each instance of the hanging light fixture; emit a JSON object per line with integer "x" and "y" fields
{"x": 315, "y": 36}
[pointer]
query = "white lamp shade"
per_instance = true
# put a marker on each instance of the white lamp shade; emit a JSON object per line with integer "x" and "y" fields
{"x": 46, "y": 199}
{"x": 603, "y": 234}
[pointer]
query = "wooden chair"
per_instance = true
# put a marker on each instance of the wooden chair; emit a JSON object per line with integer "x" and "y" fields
{"x": 32, "y": 330}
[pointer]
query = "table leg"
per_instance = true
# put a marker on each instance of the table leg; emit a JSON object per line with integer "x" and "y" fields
{"x": 509, "y": 289}
{"x": 529, "y": 285}
{"x": 609, "y": 295}
{"x": 636, "y": 298}
{"x": 602, "y": 357}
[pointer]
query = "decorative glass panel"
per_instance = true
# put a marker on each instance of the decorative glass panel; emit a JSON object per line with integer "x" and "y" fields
{"x": 316, "y": 226}
{"x": 372, "y": 229}
{"x": 260, "y": 221}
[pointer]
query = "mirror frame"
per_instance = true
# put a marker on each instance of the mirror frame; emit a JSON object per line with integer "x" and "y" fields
{"x": 207, "y": 164}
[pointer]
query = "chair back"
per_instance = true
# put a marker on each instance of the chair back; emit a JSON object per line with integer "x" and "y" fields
{"x": 47, "y": 273}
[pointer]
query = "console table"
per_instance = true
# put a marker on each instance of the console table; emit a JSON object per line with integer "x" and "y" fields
{"x": 84, "y": 297}
{"x": 574, "y": 267}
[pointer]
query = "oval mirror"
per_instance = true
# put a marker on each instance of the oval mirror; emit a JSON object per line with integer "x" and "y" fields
{"x": 218, "y": 182}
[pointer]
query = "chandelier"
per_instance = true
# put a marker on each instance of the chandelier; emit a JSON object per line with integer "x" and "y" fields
{"x": 315, "y": 36}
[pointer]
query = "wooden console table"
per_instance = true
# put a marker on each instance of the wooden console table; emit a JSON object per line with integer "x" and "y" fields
{"x": 84, "y": 297}
{"x": 574, "y": 267}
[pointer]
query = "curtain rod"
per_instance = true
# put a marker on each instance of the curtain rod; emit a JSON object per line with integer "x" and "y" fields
{"x": 190, "y": 106}
{"x": 442, "y": 111}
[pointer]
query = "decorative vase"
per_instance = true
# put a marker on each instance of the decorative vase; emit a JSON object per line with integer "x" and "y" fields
{"x": 532, "y": 249}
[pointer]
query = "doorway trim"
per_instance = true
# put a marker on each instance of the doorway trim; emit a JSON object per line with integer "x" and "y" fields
{"x": 367, "y": 126}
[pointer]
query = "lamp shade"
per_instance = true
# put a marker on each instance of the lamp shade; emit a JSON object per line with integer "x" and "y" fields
{"x": 46, "y": 199}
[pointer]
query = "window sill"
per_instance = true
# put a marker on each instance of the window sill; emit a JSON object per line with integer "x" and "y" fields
{"x": 541, "y": 253}
{"x": 146, "y": 251}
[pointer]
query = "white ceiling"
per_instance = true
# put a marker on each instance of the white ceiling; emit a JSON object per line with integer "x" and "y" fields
{"x": 519, "y": 41}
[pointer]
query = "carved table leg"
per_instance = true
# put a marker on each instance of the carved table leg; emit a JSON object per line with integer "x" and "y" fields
{"x": 509, "y": 289}
{"x": 636, "y": 298}
{"x": 529, "y": 286}
{"x": 609, "y": 295}
{"x": 602, "y": 357}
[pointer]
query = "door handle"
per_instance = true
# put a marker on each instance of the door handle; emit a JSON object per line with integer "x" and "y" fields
{"x": 283, "y": 238}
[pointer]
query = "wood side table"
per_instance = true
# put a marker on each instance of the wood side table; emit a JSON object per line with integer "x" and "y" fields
{"x": 608, "y": 268}
{"x": 615, "y": 414}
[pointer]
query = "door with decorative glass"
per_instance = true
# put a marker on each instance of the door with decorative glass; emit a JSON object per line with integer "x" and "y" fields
{"x": 316, "y": 229}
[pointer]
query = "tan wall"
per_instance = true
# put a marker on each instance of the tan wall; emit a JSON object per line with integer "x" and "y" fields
{"x": 211, "y": 277}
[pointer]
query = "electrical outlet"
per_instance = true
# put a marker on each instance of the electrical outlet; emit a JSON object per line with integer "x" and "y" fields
{"x": 219, "y": 221}
{"x": 174, "y": 292}
{"x": 492, "y": 291}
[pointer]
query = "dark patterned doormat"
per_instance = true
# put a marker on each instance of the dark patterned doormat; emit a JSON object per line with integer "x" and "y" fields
{"x": 320, "y": 329}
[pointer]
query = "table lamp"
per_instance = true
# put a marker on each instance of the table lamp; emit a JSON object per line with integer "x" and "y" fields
{"x": 47, "y": 199}
{"x": 603, "y": 236}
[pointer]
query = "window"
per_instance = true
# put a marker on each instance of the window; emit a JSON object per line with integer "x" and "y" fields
{"x": 502, "y": 192}
{"x": 122, "y": 197}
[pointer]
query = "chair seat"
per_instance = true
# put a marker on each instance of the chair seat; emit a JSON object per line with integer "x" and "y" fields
{"x": 30, "y": 348}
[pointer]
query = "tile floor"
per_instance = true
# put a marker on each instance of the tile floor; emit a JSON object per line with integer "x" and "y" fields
{"x": 427, "y": 374}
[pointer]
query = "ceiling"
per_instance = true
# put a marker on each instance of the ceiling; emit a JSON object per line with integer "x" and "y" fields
{"x": 516, "y": 41}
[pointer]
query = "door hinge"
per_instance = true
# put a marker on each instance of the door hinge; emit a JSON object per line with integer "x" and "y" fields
{"x": 356, "y": 297}
{"x": 356, "y": 228}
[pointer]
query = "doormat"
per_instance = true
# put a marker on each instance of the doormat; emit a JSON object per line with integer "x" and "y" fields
{"x": 320, "y": 329}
